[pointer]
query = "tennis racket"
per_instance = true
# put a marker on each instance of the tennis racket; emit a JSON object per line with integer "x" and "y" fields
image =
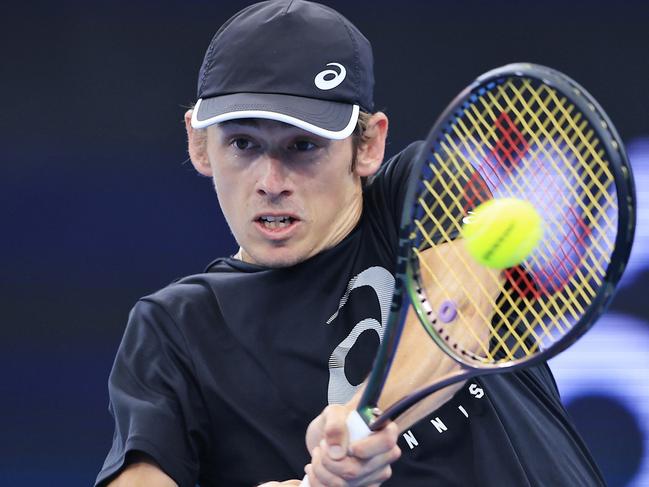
{"x": 524, "y": 131}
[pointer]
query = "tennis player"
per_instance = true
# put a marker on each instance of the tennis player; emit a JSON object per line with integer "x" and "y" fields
{"x": 220, "y": 374}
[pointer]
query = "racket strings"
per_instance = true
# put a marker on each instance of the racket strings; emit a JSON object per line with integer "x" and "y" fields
{"x": 484, "y": 317}
{"x": 580, "y": 310}
{"x": 584, "y": 147}
{"x": 450, "y": 216}
{"x": 587, "y": 211}
{"x": 456, "y": 150}
{"x": 506, "y": 300}
{"x": 577, "y": 287}
{"x": 521, "y": 139}
{"x": 494, "y": 135}
{"x": 551, "y": 135}
{"x": 556, "y": 189}
{"x": 456, "y": 222}
{"x": 460, "y": 168}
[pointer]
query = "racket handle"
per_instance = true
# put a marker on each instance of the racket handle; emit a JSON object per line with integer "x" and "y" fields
{"x": 357, "y": 429}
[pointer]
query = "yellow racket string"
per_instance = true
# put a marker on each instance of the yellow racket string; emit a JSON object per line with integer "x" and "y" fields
{"x": 457, "y": 258}
{"x": 521, "y": 190}
{"x": 451, "y": 152}
{"x": 582, "y": 279}
{"x": 582, "y": 282}
{"x": 574, "y": 150}
{"x": 522, "y": 138}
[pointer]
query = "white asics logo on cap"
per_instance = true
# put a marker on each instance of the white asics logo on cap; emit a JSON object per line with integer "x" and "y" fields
{"x": 328, "y": 84}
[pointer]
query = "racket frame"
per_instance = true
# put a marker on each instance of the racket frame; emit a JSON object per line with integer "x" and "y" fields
{"x": 407, "y": 282}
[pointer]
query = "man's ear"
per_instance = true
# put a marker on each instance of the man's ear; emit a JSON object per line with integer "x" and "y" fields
{"x": 197, "y": 146}
{"x": 372, "y": 149}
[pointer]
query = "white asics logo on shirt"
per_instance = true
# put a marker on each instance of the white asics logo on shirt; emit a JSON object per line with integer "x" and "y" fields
{"x": 328, "y": 84}
{"x": 381, "y": 281}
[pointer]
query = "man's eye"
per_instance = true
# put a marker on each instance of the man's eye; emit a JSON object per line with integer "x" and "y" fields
{"x": 303, "y": 145}
{"x": 242, "y": 144}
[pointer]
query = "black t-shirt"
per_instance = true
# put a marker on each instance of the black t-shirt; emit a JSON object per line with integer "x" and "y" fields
{"x": 219, "y": 374}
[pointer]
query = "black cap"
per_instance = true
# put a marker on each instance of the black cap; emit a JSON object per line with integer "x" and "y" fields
{"x": 293, "y": 61}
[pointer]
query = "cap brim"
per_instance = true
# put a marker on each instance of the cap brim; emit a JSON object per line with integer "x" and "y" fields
{"x": 329, "y": 119}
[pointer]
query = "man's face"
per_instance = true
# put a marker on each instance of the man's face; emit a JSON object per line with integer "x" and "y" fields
{"x": 286, "y": 194}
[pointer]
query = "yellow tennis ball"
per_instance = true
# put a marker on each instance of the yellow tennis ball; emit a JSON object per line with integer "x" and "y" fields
{"x": 502, "y": 232}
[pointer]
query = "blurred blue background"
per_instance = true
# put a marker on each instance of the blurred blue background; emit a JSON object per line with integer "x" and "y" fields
{"x": 99, "y": 205}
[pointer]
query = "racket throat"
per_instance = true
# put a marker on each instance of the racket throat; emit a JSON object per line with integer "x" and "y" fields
{"x": 373, "y": 417}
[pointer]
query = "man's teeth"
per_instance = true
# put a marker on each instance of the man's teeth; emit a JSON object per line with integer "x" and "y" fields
{"x": 275, "y": 221}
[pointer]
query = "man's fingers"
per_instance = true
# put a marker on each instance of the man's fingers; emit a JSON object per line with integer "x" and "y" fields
{"x": 379, "y": 442}
{"x": 352, "y": 468}
{"x": 366, "y": 462}
{"x": 334, "y": 432}
{"x": 375, "y": 478}
{"x": 309, "y": 469}
{"x": 319, "y": 475}
{"x": 379, "y": 462}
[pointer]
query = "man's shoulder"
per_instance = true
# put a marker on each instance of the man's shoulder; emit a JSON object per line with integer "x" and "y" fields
{"x": 390, "y": 180}
{"x": 401, "y": 160}
{"x": 196, "y": 285}
{"x": 410, "y": 151}
{"x": 193, "y": 287}
{"x": 195, "y": 291}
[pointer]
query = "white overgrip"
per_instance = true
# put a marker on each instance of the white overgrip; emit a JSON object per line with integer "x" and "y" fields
{"x": 357, "y": 429}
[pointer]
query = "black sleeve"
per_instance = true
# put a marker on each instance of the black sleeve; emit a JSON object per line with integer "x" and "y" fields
{"x": 384, "y": 194}
{"x": 154, "y": 398}
{"x": 388, "y": 186}
{"x": 539, "y": 429}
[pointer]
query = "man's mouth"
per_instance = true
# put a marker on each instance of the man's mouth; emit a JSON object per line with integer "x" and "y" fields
{"x": 275, "y": 222}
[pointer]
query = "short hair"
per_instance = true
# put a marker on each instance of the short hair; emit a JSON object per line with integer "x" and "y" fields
{"x": 359, "y": 137}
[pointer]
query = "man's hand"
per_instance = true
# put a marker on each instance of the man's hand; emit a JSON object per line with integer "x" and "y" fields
{"x": 337, "y": 463}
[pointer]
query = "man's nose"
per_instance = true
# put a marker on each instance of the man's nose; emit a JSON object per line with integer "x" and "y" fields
{"x": 274, "y": 179}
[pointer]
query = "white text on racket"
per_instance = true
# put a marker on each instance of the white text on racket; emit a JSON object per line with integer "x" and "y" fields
{"x": 438, "y": 423}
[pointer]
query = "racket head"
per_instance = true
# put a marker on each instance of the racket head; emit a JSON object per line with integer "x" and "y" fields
{"x": 530, "y": 132}
{"x": 472, "y": 155}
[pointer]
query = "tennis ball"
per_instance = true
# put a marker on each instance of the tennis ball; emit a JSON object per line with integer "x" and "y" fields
{"x": 502, "y": 232}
